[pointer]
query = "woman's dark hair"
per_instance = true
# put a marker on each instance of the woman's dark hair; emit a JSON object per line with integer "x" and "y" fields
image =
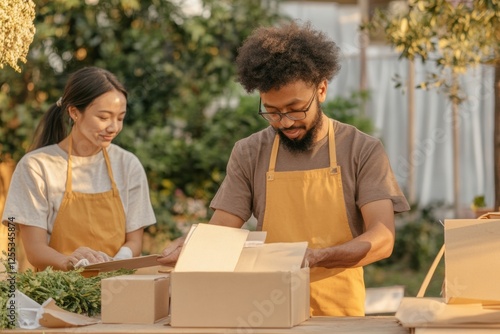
{"x": 272, "y": 57}
{"x": 83, "y": 87}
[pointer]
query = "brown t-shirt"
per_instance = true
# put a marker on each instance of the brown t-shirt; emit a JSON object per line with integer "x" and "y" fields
{"x": 366, "y": 173}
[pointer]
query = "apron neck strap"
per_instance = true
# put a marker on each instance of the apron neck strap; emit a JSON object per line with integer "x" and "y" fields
{"x": 331, "y": 144}
{"x": 274, "y": 153}
{"x": 69, "y": 172}
{"x": 110, "y": 171}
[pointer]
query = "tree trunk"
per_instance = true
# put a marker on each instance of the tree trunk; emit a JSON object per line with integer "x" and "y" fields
{"x": 456, "y": 148}
{"x": 411, "y": 132}
{"x": 496, "y": 136}
{"x": 363, "y": 45}
{"x": 456, "y": 160}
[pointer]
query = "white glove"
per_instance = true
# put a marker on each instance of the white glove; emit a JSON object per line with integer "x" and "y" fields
{"x": 123, "y": 253}
{"x": 82, "y": 263}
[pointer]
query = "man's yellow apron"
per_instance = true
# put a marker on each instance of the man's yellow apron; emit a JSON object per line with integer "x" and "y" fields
{"x": 309, "y": 206}
{"x": 92, "y": 220}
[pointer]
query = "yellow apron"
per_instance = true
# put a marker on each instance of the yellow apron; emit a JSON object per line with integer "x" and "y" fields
{"x": 309, "y": 206}
{"x": 92, "y": 220}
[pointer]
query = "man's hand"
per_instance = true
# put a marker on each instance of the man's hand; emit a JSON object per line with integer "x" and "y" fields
{"x": 171, "y": 253}
{"x": 314, "y": 256}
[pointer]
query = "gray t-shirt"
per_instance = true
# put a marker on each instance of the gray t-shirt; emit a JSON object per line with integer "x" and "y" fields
{"x": 366, "y": 173}
{"x": 39, "y": 182}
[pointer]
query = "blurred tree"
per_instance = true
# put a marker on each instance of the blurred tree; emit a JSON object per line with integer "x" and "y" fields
{"x": 16, "y": 31}
{"x": 350, "y": 110}
{"x": 173, "y": 64}
{"x": 455, "y": 35}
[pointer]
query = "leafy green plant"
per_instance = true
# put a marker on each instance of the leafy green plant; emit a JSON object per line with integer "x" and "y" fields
{"x": 478, "y": 202}
{"x": 70, "y": 290}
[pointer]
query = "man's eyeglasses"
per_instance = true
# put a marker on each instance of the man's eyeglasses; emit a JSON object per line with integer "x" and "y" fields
{"x": 294, "y": 115}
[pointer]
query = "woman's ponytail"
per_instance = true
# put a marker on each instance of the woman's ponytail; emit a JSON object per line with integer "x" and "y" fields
{"x": 52, "y": 127}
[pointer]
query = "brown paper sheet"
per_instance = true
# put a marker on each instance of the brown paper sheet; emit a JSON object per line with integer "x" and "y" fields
{"x": 55, "y": 317}
{"x": 434, "y": 312}
{"x": 133, "y": 263}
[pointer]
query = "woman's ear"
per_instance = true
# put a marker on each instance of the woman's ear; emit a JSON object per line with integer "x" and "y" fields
{"x": 73, "y": 113}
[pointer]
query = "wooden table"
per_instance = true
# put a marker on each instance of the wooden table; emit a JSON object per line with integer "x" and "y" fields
{"x": 337, "y": 325}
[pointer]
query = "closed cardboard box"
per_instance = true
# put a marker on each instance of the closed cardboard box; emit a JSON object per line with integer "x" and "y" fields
{"x": 472, "y": 266}
{"x": 134, "y": 299}
{"x": 243, "y": 284}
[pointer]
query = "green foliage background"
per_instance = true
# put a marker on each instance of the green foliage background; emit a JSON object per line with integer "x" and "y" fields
{"x": 185, "y": 111}
{"x": 174, "y": 67}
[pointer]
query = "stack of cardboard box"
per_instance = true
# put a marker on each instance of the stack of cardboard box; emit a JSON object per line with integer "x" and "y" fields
{"x": 225, "y": 277}
{"x": 471, "y": 301}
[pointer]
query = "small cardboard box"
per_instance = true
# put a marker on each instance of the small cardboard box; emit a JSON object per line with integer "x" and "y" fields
{"x": 228, "y": 277}
{"x": 134, "y": 299}
{"x": 472, "y": 253}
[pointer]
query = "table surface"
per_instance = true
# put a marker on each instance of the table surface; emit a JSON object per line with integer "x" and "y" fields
{"x": 342, "y": 325}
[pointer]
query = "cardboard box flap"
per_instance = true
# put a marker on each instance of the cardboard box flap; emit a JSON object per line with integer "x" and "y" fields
{"x": 255, "y": 238}
{"x": 471, "y": 256}
{"x": 272, "y": 257}
{"x": 211, "y": 248}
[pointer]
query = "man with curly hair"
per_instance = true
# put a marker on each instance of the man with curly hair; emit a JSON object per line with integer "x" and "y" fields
{"x": 307, "y": 177}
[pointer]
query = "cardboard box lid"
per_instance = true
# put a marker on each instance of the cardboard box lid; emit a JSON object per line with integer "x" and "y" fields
{"x": 220, "y": 248}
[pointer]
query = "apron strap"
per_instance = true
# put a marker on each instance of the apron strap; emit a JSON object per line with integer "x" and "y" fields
{"x": 274, "y": 153}
{"x": 69, "y": 172}
{"x": 110, "y": 171}
{"x": 331, "y": 145}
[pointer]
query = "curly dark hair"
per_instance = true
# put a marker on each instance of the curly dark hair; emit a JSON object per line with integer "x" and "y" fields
{"x": 272, "y": 57}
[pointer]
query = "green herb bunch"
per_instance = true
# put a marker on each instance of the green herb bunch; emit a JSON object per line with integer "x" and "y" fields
{"x": 70, "y": 290}
{"x": 5, "y": 322}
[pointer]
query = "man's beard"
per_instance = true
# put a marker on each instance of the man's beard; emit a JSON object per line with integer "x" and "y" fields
{"x": 304, "y": 144}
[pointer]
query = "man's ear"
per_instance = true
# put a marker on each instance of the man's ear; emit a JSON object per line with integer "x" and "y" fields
{"x": 322, "y": 90}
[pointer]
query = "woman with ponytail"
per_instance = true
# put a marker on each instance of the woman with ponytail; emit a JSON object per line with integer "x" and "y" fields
{"x": 75, "y": 196}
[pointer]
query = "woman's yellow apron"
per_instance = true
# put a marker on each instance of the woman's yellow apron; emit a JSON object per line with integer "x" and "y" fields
{"x": 92, "y": 220}
{"x": 309, "y": 206}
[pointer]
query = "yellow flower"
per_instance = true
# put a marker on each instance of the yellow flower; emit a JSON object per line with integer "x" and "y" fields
{"x": 16, "y": 31}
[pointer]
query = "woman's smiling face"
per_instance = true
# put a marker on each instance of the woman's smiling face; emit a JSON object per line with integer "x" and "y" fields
{"x": 100, "y": 123}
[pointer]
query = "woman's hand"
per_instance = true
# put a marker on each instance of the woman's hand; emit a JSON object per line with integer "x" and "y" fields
{"x": 91, "y": 255}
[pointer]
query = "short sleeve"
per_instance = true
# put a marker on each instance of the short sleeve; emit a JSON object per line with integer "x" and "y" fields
{"x": 235, "y": 193}
{"x": 27, "y": 199}
{"x": 376, "y": 180}
{"x": 139, "y": 211}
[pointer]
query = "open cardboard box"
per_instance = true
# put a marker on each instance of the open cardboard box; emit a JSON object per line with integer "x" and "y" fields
{"x": 472, "y": 268}
{"x": 228, "y": 277}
